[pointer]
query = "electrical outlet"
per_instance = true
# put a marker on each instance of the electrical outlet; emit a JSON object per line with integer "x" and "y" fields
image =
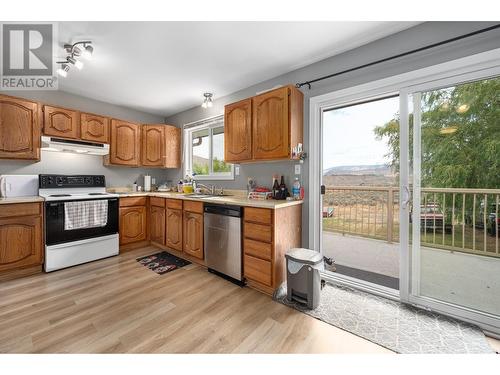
{"x": 297, "y": 168}
{"x": 237, "y": 170}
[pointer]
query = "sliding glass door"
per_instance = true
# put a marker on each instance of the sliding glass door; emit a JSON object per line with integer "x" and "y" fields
{"x": 360, "y": 221}
{"x": 406, "y": 183}
{"x": 454, "y": 142}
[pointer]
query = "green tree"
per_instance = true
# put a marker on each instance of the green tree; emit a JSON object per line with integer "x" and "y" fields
{"x": 460, "y": 136}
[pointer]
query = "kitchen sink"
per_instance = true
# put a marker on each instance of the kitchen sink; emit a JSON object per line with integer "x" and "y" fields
{"x": 205, "y": 196}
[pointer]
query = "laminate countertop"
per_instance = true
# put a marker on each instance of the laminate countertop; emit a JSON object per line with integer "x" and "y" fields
{"x": 236, "y": 200}
{"x": 30, "y": 199}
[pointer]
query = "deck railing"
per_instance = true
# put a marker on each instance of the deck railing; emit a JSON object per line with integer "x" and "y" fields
{"x": 465, "y": 220}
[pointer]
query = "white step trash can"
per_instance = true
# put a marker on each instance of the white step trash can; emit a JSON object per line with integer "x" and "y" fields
{"x": 303, "y": 268}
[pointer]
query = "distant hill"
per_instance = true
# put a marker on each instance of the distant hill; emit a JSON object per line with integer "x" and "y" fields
{"x": 375, "y": 169}
{"x": 360, "y": 175}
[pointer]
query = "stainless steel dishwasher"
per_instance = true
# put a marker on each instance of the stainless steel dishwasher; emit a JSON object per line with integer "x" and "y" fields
{"x": 223, "y": 240}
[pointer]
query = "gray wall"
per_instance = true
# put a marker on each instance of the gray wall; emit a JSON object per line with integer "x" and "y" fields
{"x": 418, "y": 36}
{"x": 52, "y": 162}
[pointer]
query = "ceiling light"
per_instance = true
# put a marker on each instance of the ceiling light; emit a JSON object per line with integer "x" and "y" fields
{"x": 208, "y": 101}
{"x": 463, "y": 108}
{"x": 87, "y": 52}
{"x": 63, "y": 70}
{"x": 448, "y": 130}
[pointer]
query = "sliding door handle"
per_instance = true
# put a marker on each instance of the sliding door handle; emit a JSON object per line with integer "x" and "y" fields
{"x": 407, "y": 198}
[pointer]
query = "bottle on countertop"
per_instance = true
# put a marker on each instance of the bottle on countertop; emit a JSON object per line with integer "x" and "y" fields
{"x": 283, "y": 192}
{"x": 134, "y": 186}
{"x": 276, "y": 187}
{"x": 296, "y": 189}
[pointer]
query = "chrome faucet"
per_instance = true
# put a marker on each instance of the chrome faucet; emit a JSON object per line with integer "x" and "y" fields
{"x": 209, "y": 188}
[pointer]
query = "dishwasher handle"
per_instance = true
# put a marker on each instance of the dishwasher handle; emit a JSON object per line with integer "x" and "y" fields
{"x": 224, "y": 210}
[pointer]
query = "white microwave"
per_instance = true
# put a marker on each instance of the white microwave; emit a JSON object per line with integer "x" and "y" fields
{"x": 18, "y": 185}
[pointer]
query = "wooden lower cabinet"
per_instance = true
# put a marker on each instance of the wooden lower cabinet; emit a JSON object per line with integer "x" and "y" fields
{"x": 267, "y": 235}
{"x": 133, "y": 223}
{"x": 193, "y": 229}
{"x": 21, "y": 237}
{"x": 157, "y": 224}
{"x": 174, "y": 228}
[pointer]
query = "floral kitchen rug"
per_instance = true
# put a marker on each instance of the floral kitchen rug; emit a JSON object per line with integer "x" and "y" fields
{"x": 162, "y": 262}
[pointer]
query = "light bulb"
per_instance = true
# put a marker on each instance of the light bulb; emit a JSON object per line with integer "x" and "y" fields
{"x": 78, "y": 64}
{"x": 63, "y": 70}
{"x": 204, "y": 105}
{"x": 87, "y": 52}
{"x": 209, "y": 104}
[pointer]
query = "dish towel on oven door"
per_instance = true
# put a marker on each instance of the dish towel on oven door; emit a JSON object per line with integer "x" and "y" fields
{"x": 85, "y": 214}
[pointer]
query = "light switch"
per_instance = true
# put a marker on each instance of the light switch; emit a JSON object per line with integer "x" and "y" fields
{"x": 297, "y": 168}
{"x": 237, "y": 170}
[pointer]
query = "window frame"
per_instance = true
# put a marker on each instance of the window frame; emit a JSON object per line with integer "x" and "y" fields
{"x": 210, "y": 124}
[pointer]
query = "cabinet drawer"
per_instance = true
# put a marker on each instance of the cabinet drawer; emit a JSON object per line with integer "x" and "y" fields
{"x": 258, "y": 232}
{"x": 257, "y": 249}
{"x": 20, "y": 209}
{"x": 193, "y": 206}
{"x": 157, "y": 202}
{"x": 257, "y": 270}
{"x": 258, "y": 215}
{"x": 133, "y": 201}
{"x": 176, "y": 204}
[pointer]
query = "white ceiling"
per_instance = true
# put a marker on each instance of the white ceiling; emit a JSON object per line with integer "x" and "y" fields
{"x": 165, "y": 67}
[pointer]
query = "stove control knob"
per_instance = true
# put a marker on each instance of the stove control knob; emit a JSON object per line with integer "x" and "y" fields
{"x": 88, "y": 180}
{"x": 59, "y": 181}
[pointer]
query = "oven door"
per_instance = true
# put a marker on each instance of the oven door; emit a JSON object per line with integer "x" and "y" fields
{"x": 54, "y": 224}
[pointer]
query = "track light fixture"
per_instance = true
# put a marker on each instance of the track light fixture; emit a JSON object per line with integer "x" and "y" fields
{"x": 208, "y": 101}
{"x": 75, "y": 52}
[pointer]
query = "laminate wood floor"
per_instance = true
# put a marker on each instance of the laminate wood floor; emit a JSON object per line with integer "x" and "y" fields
{"x": 116, "y": 305}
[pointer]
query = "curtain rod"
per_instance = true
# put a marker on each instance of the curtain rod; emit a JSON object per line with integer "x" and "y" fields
{"x": 308, "y": 83}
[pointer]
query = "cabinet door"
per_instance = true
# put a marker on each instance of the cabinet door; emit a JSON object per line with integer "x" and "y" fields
{"x": 20, "y": 242}
{"x": 20, "y": 122}
{"x": 157, "y": 224}
{"x": 173, "y": 143}
{"x": 94, "y": 128}
{"x": 174, "y": 228}
{"x": 60, "y": 122}
{"x": 270, "y": 125}
{"x": 238, "y": 131}
{"x": 125, "y": 143}
{"x": 153, "y": 145}
{"x": 193, "y": 234}
{"x": 132, "y": 224}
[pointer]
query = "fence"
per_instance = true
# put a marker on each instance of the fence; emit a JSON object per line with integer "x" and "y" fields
{"x": 465, "y": 220}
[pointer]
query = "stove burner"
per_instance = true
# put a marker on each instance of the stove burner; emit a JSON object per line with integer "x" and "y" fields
{"x": 98, "y": 194}
{"x": 60, "y": 195}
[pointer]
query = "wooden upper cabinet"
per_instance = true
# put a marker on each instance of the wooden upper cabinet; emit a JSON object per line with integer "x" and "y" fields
{"x": 238, "y": 131}
{"x": 174, "y": 228}
{"x": 270, "y": 125}
{"x": 193, "y": 234}
{"x": 125, "y": 143}
{"x": 153, "y": 145}
{"x": 173, "y": 144}
{"x": 132, "y": 224}
{"x": 94, "y": 128}
{"x": 61, "y": 122}
{"x": 161, "y": 146}
{"x": 20, "y": 123}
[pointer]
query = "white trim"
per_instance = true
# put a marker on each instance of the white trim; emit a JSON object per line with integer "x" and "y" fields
{"x": 209, "y": 123}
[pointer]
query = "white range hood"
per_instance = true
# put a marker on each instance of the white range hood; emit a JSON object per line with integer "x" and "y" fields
{"x": 74, "y": 146}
